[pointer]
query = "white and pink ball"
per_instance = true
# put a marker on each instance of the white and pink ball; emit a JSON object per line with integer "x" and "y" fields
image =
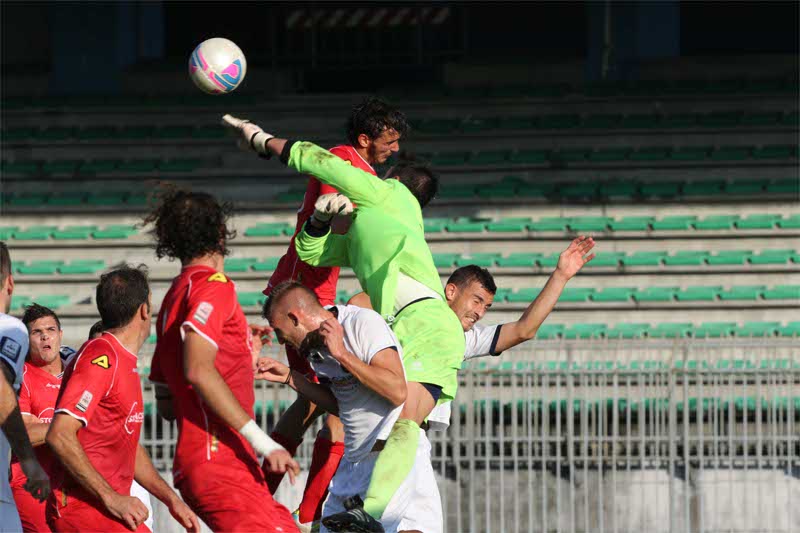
{"x": 217, "y": 66}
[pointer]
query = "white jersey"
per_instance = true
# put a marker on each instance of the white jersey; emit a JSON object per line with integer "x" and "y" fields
{"x": 366, "y": 416}
{"x": 481, "y": 341}
{"x": 13, "y": 351}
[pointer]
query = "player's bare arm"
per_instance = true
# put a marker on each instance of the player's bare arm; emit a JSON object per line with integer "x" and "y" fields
{"x": 570, "y": 262}
{"x": 147, "y": 476}
{"x": 63, "y": 440}
{"x": 37, "y": 430}
{"x": 271, "y": 370}
{"x": 13, "y": 427}
{"x": 384, "y": 374}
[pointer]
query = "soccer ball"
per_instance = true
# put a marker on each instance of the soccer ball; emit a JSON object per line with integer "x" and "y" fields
{"x": 217, "y": 66}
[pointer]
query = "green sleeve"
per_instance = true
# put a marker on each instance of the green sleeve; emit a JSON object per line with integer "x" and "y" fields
{"x": 326, "y": 251}
{"x": 362, "y": 188}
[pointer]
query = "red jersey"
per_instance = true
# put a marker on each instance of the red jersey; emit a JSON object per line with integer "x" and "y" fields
{"x": 37, "y": 397}
{"x": 101, "y": 388}
{"x": 321, "y": 280}
{"x": 204, "y": 300}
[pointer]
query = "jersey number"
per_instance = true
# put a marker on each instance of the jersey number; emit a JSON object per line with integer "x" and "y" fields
{"x": 101, "y": 361}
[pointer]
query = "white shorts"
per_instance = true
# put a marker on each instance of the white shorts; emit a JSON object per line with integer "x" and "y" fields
{"x": 9, "y": 517}
{"x": 137, "y": 491}
{"x": 415, "y": 506}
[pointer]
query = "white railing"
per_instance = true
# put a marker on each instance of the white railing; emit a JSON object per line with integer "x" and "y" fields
{"x": 657, "y": 436}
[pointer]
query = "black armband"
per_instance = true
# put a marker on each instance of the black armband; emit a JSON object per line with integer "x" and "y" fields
{"x": 287, "y": 148}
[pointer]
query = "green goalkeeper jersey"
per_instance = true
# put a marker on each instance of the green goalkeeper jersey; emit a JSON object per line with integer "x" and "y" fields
{"x": 387, "y": 235}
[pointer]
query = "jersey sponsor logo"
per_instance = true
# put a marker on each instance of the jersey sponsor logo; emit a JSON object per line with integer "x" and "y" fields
{"x": 218, "y": 276}
{"x": 102, "y": 361}
{"x": 10, "y": 349}
{"x": 83, "y": 403}
{"x": 52, "y": 385}
{"x": 134, "y": 417}
{"x": 46, "y": 416}
{"x": 203, "y": 312}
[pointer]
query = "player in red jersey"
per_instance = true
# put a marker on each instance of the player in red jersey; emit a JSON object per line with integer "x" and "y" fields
{"x": 204, "y": 362}
{"x": 373, "y": 130}
{"x": 41, "y": 381}
{"x": 98, "y": 419}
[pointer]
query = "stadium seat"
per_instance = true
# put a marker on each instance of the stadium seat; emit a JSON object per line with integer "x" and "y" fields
{"x": 651, "y": 153}
{"x": 686, "y": 258}
{"x": 28, "y": 200}
{"x": 529, "y": 157}
{"x": 179, "y": 165}
{"x": 558, "y": 121}
{"x": 742, "y": 292}
{"x": 138, "y": 165}
{"x": 589, "y": 224}
{"x": 494, "y": 157}
{"x": 549, "y": 224}
{"x": 549, "y": 331}
{"x": 455, "y": 193}
{"x": 548, "y": 261}
{"x": 6, "y": 232}
{"x": 614, "y": 294}
{"x": 82, "y": 266}
{"x": 74, "y": 232}
{"x": 698, "y": 294}
{"x": 674, "y": 223}
{"x": 663, "y": 189}
{"x": 96, "y": 133}
{"x": 581, "y": 190}
{"x": 449, "y": 159}
{"x": 628, "y": 331}
{"x": 619, "y": 189}
{"x": 34, "y": 233}
{"x": 703, "y": 188}
{"x": 115, "y": 231}
{"x": 731, "y": 153}
{"x": 66, "y": 199}
{"x": 109, "y": 198}
{"x": 268, "y": 229}
{"x": 714, "y": 329}
{"x": 523, "y": 295}
{"x": 576, "y": 295}
{"x": 775, "y": 152}
{"x": 585, "y": 331}
{"x": 784, "y": 186}
{"x": 757, "y": 329}
{"x": 791, "y": 329}
{"x": 670, "y": 330}
{"x": 782, "y": 292}
{"x": 771, "y": 257}
{"x": 571, "y": 155}
{"x": 759, "y": 221}
{"x": 631, "y": 224}
{"x": 655, "y": 294}
{"x": 508, "y": 225}
{"x": 239, "y": 264}
{"x": 689, "y": 153}
{"x": 762, "y": 119}
{"x": 792, "y": 222}
{"x": 62, "y": 166}
{"x": 435, "y": 225}
{"x": 267, "y": 265}
{"x": 47, "y": 267}
{"x": 250, "y": 299}
{"x": 729, "y": 257}
{"x": 53, "y": 301}
{"x": 607, "y": 121}
{"x": 445, "y": 260}
{"x": 485, "y": 260}
{"x": 644, "y": 259}
{"x": 518, "y": 260}
{"x": 745, "y": 187}
{"x": 497, "y": 190}
{"x": 173, "y": 132}
{"x": 609, "y": 155}
{"x": 99, "y": 166}
{"x": 606, "y": 259}
{"x": 467, "y": 225}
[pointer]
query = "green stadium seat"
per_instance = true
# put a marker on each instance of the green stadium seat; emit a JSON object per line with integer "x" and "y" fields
{"x": 343, "y": 296}
{"x": 720, "y": 119}
{"x": 477, "y": 124}
{"x": 791, "y": 329}
{"x": 686, "y": 258}
{"x": 516, "y": 123}
{"x": 518, "y": 260}
{"x": 742, "y": 292}
{"x": 628, "y": 331}
{"x": 99, "y": 166}
{"x": 603, "y": 122}
{"x": 152, "y": 339}
{"x": 208, "y": 132}
{"x": 7, "y": 231}
{"x": 684, "y": 120}
{"x": 439, "y": 126}
{"x": 523, "y": 295}
{"x": 435, "y": 225}
{"x": 495, "y": 157}
{"x": 698, "y": 294}
{"x": 785, "y": 186}
{"x": 18, "y": 301}
{"x": 55, "y": 134}
{"x": 745, "y": 187}
{"x": 782, "y": 292}
{"x": 690, "y": 153}
{"x": 716, "y": 222}
{"x": 34, "y": 233}
{"x": 589, "y": 224}
{"x": 614, "y": 294}
{"x": 292, "y": 196}
{"x": 704, "y": 188}
{"x": 62, "y": 166}
{"x": 631, "y": 224}
{"x": 250, "y": 299}
{"x": 757, "y": 329}
{"x": 508, "y": 225}
{"x": 66, "y": 199}
{"x": 456, "y": 192}
{"x": 136, "y": 199}
{"x": 551, "y": 122}
{"x": 670, "y": 330}
{"x": 619, "y": 189}
{"x": 792, "y": 222}
{"x": 548, "y": 261}
{"x": 609, "y": 155}
{"x": 606, "y": 259}
{"x": 18, "y": 134}
{"x": 571, "y": 155}
{"x": 549, "y": 331}
{"x": 449, "y": 159}
{"x": 110, "y": 199}
{"x": 655, "y": 294}
{"x": 775, "y": 152}
{"x": 674, "y": 223}
{"x": 641, "y": 121}
{"x": 96, "y": 133}
{"x": 445, "y": 260}
{"x": 180, "y": 165}
{"x": 581, "y": 190}
{"x": 267, "y": 265}
{"x": 579, "y": 295}
{"x": 529, "y": 157}
{"x": 532, "y": 190}
{"x": 138, "y": 165}
{"x": 501, "y": 294}
{"x": 731, "y": 153}
{"x": 714, "y": 329}
{"x": 74, "y": 233}
{"x": 28, "y": 200}
{"x": 661, "y": 189}
{"x": 53, "y": 301}
{"x": 267, "y": 229}
{"x": 82, "y": 266}
{"x": 651, "y": 153}
{"x": 467, "y": 225}
{"x": 585, "y": 331}
{"x": 485, "y": 260}
{"x": 135, "y": 132}
{"x": 549, "y": 224}
{"x": 239, "y": 264}
{"x": 771, "y": 257}
{"x": 759, "y": 221}
{"x": 48, "y": 267}
{"x": 173, "y": 132}
{"x": 115, "y": 231}
{"x": 497, "y": 190}
{"x": 762, "y": 119}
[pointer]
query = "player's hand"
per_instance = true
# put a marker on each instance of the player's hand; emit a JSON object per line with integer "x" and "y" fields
{"x": 128, "y": 509}
{"x": 268, "y": 369}
{"x": 185, "y": 516}
{"x": 280, "y": 461}
{"x": 261, "y": 335}
{"x": 251, "y": 136}
{"x": 334, "y": 203}
{"x": 333, "y": 334}
{"x": 574, "y": 257}
{"x": 38, "y": 484}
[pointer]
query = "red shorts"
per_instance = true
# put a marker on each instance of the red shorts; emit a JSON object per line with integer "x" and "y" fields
{"x": 81, "y": 516}
{"x": 31, "y": 511}
{"x": 231, "y": 499}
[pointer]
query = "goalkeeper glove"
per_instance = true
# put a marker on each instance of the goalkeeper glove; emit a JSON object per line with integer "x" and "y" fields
{"x": 252, "y": 137}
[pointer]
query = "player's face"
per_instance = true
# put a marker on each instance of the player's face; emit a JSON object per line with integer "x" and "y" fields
{"x": 287, "y": 330}
{"x": 469, "y": 304}
{"x": 383, "y": 147}
{"x": 45, "y": 339}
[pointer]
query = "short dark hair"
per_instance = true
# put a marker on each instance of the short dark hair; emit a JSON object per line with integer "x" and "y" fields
{"x": 279, "y": 293}
{"x": 96, "y": 329}
{"x": 418, "y": 178}
{"x": 5, "y": 263}
{"x": 35, "y": 311}
{"x": 120, "y": 293}
{"x": 187, "y": 224}
{"x": 465, "y": 275}
{"x": 371, "y": 117}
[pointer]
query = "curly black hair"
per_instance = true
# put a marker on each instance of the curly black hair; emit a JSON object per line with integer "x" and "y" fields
{"x": 187, "y": 225}
{"x": 372, "y": 117}
{"x": 35, "y": 311}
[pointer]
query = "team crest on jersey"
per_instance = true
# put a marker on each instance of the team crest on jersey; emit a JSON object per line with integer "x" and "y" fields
{"x": 203, "y": 312}
{"x": 218, "y": 276}
{"x": 102, "y": 361}
{"x": 83, "y": 403}
{"x": 10, "y": 349}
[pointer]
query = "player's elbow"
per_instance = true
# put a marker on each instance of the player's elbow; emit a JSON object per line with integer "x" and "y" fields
{"x": 398, "y": 394}
{"x": 56, "y": 438}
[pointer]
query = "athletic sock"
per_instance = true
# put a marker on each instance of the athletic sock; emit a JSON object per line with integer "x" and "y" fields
{"x": 273, "y": 478}
{"x": 324, "y": 462}
{"x": 394, "y": 463}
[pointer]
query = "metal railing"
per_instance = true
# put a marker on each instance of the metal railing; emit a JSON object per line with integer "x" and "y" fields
{"x": 690, "y": 435}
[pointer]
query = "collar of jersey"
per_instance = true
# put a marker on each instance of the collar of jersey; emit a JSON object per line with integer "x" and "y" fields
{"x": 120, "y": 344}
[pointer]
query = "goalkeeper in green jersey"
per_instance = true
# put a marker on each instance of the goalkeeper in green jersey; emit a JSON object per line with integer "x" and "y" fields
{"x": 386, "y": 248}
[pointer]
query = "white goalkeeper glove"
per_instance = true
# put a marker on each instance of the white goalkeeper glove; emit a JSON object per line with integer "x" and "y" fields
{"x": 251, "y": 136}
{"x": 330, "y": 204}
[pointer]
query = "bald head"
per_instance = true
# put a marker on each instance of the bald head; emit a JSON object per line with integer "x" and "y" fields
{"x": 293, "y": 311}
